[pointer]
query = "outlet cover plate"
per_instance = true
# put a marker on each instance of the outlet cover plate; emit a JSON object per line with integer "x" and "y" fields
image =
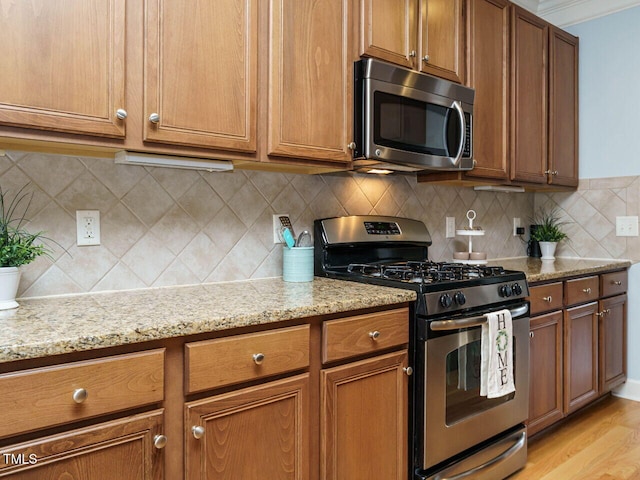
{"x": 450, "y": 227}
{"x": 87, "y": 227}
{"x": 627, "y": 226}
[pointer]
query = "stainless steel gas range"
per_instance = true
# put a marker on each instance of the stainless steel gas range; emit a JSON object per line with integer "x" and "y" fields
{"x": 455, "y": 432}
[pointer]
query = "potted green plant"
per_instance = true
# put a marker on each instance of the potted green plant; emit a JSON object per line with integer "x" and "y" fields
{"x": 17, "y": 246}
{"x": 548, "y": 232}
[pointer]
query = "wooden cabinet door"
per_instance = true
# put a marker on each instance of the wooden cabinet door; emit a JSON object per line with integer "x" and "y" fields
{"x": 310, "y": 79}
{"x": 563, "y": 108}
{"x": 442, "y": 39}
{"x": 255, "y": 433}
{"x": 613, "y": 342}
{"x": 63, "y": 65}
{"x": 545, "y": 381}
{"x": 388, "y": 30}
{"x": 488, "y": 74}
{"x": 580, "y": 356}
{"x": 200, "y": 71}
{"x": 364, "y": 419}
{"x": 123, "y": 449}
{"x": 529, "y": 40}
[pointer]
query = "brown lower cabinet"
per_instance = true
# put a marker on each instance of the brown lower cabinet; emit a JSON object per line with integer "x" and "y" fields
{"x": 125, "y": 449}
{"x": 578, "y": 344}
{"x": 323, "y": 397}
{"x": 257, "y": 432}
{"x": 364, "y": 419}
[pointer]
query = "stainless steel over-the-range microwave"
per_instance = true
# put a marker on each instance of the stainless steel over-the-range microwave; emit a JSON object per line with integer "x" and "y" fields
{"x": 409, "y": 121}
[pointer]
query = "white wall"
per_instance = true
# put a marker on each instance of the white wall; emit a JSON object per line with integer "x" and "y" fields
{"x": 609, "y": 126}
{"x": 609, "y": 94}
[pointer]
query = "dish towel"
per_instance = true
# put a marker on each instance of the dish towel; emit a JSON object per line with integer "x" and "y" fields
{"x": 496, "y": 361}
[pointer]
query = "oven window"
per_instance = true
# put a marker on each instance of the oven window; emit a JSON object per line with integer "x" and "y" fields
{"x": 407, "y": 124}
{"x": 463, "y": 384}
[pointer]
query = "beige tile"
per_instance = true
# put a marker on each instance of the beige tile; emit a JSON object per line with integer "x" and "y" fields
{"x": 201, "y": 256}
{"x": 288, "y": 201}
{"x": 51, "y": 173}
{"x": 225, "y": 229}
{"x": 120, "y": 277}
{"x": 120, "y": 230}
{"x": 148, "y": 201}
{"x": 52, "y": 282}
{"x": 148, "y": 258}
{"x": 226, "y": 184}
{"x": 358, "y": 204}
{"x": 176, "y": 229}
{"x": 175, "y": 181}
{"x": 308, "y": 186}
{"x": 176, "y": 274}
{"x": 119, "y": 179}
{"x": 374, "y": 187}
{"x": 86, "y": 193}
{"x": 13, "y": 180}
{"x": 201, "y": 202}
{"x": 248, "y": 204}
{"x": 87, "y": 265}
{"x": 268, "y": 184}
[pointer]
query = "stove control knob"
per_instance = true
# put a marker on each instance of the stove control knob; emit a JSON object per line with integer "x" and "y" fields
{"x": 460, "y": 298}
{"x": 505, "y": 291}
{"x": 446, "y": 300}
{"x": 517, "y": 289}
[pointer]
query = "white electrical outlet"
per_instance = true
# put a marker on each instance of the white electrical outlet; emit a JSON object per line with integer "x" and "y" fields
{"x": 627, "y": 226}
{"x": 516, "y": 226}
{"x": 450, "y": 227}
{"x": 280, "y": 221}
{"x": 88, "y": 227}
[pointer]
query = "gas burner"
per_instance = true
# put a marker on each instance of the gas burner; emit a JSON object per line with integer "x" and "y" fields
{"x": 426, "y": 272}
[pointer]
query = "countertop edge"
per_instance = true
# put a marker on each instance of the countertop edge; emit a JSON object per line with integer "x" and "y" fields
{"x": 372, "y": 297}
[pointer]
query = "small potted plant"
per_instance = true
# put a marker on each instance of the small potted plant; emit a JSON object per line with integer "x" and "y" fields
{"x": 547, "y": 232}
{"x": 17, "y": 246}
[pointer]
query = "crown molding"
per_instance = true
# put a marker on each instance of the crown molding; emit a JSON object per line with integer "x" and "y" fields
{"x": 569, "y": 12}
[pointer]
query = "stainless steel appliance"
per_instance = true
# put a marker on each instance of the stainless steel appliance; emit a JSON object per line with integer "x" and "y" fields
{"x": 454, "y": 432}
{"x": 410, "y": 121}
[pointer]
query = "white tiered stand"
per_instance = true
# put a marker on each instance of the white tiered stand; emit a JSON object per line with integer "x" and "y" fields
{"x": 471, "y": 232}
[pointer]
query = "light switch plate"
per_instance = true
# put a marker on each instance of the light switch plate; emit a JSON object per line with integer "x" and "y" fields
{"x": 450, "y": 227}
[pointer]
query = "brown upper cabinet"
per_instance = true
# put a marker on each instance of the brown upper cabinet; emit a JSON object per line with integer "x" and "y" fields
{"x": 243, "y": 80}
{"x": 525, "y": 73}
{"x": 200, "y": 73}
{"x": 63, "y": 68}
{"x": 424, "y": 35}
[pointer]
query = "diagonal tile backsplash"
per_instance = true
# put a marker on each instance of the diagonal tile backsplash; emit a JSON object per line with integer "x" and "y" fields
{"x": 172, "y": 227}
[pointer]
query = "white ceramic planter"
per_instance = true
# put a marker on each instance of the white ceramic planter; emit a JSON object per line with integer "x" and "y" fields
{"x": 548, "y": 250}
{"x": 9, "y": 281}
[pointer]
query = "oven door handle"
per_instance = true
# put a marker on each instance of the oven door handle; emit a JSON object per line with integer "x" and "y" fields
{"x": 439, "y": 325}
{"x": 500, "y": 458}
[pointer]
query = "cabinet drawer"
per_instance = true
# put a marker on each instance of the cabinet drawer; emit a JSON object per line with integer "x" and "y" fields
{"x": 45, "y": 397}
{"x": 581, "y": 290}
{"x": 224, "y": 361}
{"x": 545, "y": 298}
{"x": 613, "y": 283}
{"x": 362, "y": 334}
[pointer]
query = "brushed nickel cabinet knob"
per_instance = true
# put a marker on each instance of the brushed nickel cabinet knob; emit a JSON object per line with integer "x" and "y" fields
{"x": 80, "y": 395}
{"x": 121, "y": 113}
{"x": 154, "y": 118}
{"x": 197, "y": 431}
{"x": 258, "y": 358}
{"x": 374, "y": 335}
{"x": 160, "y": 441}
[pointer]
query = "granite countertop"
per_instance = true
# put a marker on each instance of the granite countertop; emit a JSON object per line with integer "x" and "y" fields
{"x": 56, "y": 325}
{"x": 537, "y": 271}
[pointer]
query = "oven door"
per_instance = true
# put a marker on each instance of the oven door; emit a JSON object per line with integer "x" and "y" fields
{"x": 456, "y": 416}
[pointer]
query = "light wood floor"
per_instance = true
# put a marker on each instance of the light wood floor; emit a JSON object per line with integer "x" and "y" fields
{"x": 600, "y": 443}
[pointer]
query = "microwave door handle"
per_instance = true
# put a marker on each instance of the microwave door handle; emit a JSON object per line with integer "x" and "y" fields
{"x": 457, "y": 106}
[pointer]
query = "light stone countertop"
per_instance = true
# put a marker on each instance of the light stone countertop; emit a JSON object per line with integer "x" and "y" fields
{"x": 56, "y": 325}
{"x": 537, "y": 271}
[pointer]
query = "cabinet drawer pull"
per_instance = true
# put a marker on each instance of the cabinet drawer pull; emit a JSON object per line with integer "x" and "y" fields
{"x": 154, "y": 118}
{"x": 197, "y": 431}
{"x": 425, "y": 59}
{"x": 604, "y": 312}
{"x": 352, "y": 146}
{"x": 160, "y": 441}
{"x": 616, "y": 282}
{"x": 412, "y": 53}
{"x": 408, "y": 371}
{"x": 121, "y": 113}
{"x": 587, "y": 290}
{"x": 80, "y": 395}
{"x": 258, "y": 358}
{"x": 548, "y": 299}
{"x": 531, "y": 334}
{"x": 375, "y": 335}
